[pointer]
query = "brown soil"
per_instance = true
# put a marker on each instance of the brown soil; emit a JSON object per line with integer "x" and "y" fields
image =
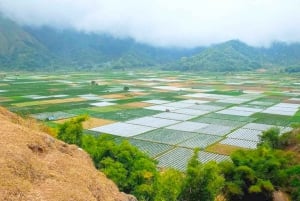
{"x": 35, "y": 166}
{"x": 292, "y": 101}
{"x": 90, "y": 123}
{"x": 136, "y": 105}
{"x": 222, "y": 149}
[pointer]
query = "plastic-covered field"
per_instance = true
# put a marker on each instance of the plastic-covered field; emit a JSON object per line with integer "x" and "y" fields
{"x": 178, "y": 158}
{"x": 245, "y": 134}
{"x": 188, "y": 126}
{"x": 239, "y": 143}
{"x": 287, "y": 109}
{"x": 153, "y": 149}
{"x": 122, "y": 129}
{"x": 230, "y": 117}
{"x": 174, "y": 116}
{"x": 124, "y": 115}
{"x": 152, "y": 122}
{"x": 205, "y": 157}
{"x": 205, "y": 107}
{"x": 260, "y": 127}
{"x": 200, "y": 140}
{"x": 161, "y": 108}
{"x": 102, "y": 104}
{"x": 224, "y": 122}
{"x": 215, "y": 129}
{"x": 191, "y": 111}
{"x": 166, "y": 136}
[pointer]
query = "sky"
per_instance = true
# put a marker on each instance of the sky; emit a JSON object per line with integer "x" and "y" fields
{"x": 169, "y": 23}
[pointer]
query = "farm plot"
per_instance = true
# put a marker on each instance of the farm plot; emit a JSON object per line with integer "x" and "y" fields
{"x": 188, "y": 126}
{"x": 246, "y": 134}
{"x": 102, "y": 104}
{"x": 205, "y": 157}
{"x": 152, "y": 122}
{"x": 191, "y": 111}
{"x": 215, "y": 129}
{"x": 287, "y": 109}
{"x": 45, "y": 102}
{"x": 239, "y": 143}
{"x": 166, "y": 136}
{"x": 230, "y": 117}
{"x": 200, "y": 140}
{"x": 122, "y": 129}
{"x": 52, "y": 116}
{"x": 224, "y": 122}
{"x": 174, "y": 116}
{"x": 272, "y": 119}
{"x": 234, "y": 100}
{"x": 153, "y": 149}
{"x": 157, "y": 101}
{"x": 176, "y": 158}
{"x": 161, "y": 108}
{"x": 123, "y": 115}
{"x": 205, "y": 107}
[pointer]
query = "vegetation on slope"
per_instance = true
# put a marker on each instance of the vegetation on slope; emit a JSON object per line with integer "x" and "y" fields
{"x": 45, "y": 48}
{"x": 250, "y": 175}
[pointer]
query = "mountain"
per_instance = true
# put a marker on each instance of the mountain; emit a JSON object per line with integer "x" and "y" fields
{"x": 229, "y": 56}
{"x": 19, "y": 48}
{"x": 46, "y": 48}
{"x": 36, "y": 166}
{"x": 235, "y": 55}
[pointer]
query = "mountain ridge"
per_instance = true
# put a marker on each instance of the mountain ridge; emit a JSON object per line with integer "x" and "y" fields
{"x": 44, "y": 48}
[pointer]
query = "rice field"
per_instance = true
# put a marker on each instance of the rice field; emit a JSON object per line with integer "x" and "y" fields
{"x": 164, "y": 114}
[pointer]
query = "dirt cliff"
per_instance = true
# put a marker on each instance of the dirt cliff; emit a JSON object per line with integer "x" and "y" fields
{"x": 37, "y": 167}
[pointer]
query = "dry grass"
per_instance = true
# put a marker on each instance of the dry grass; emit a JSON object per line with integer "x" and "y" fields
{"x": 34, "y": 166}
{"x": 46, "y": 102}
{"x": 90, "y": 122}
{"x": 222, "y": 149}
{"x": 136, "y": 105}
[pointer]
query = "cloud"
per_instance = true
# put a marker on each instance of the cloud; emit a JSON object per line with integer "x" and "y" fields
{"x": 178, "y": 23}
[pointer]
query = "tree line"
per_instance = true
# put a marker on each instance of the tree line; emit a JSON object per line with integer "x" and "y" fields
{"x": 249, "y": 175}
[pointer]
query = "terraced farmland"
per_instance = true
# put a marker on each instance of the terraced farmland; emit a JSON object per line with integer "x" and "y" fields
{"x": 164, "y": 114}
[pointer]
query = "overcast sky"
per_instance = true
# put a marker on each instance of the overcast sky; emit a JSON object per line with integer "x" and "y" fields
{"x": 182, "y": 23}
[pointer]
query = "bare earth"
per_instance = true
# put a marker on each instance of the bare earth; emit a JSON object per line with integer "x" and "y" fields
{"x": 34, "y": 166}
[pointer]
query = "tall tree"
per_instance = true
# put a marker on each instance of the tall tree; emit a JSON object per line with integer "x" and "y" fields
{"x": 203, "y": 181}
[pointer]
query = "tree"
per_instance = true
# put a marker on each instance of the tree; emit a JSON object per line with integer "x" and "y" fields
{"x": 254, "y": 174}
{"x": 133, "y": 171}
{"x": 71, "y": 131}
{"x": 203, "y": 181}
{"x": 169, "y": 185}
{"x": 270, "y": 138}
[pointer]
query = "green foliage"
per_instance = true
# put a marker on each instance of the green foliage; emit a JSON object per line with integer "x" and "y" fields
{"x": 293, "y": 174}
{"x": 270, "y": 138}
{"x": 71, "y": 131}
{"x": 254, "y": 174}
{"x": 133, "y": 171}
{"x": 169, "y": 185}
{"x": 203, "y": 181}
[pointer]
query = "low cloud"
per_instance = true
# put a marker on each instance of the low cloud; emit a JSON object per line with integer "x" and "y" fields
{"x": 177, "y": 23}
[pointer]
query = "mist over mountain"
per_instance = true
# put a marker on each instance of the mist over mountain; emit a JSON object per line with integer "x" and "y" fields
{"x": 47, "y": 48}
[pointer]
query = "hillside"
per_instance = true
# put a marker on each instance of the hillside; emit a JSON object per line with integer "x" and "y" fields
{"x": 35, "y": 166}
{"x": 48, "y": 49}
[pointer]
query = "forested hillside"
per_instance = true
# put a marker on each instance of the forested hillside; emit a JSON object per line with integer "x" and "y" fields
{"x": 45, "y": 48}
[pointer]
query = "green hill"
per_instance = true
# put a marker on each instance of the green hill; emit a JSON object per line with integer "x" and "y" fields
{"x": 45, "y": 48}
